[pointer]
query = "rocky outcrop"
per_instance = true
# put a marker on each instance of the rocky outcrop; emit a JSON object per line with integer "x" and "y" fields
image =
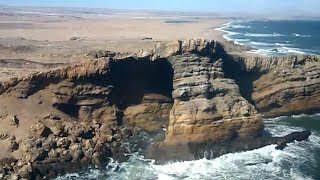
{"x": 82, "y": 114}
{"x": 195, "y": 150}
{"x": 285, "y": 91}
{"x": 63, "y": 142}
{"x": 282, "y": 85}
{"x": 167, "y": 49}
{"x": 22, "y": 87}
{"x": 152, "y": 114}
{"x": 207, "y": 106}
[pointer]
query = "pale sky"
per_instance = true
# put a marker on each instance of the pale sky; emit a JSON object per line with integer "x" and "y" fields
{"x": 285, "y": 7}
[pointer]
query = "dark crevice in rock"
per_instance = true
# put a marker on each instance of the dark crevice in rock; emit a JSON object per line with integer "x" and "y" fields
{"x": 133, "y": 78}
{"x": 70, "y": 109}
{"x": 234, "y": 70}
{"x": 271, "y": 106}
{"x": 245, "y": 82}
{"x": 244, "y": 79}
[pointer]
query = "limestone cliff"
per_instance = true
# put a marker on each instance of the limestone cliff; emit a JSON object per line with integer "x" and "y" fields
{"x": 207, "y": 106}
{"x": 280, "y": 85}
{"x": 193, "y": 88}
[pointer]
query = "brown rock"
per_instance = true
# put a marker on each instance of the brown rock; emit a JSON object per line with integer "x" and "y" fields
{"x": 63, "y": 142}
{"x": 105, "y": 139}
{"x": 13, "y": 146}
{"x": 96, "y": 158}
{"x": 39, "y": 130}
{"x": 207, "y": 108}
{"x": 88, "y": 153}
{"x": 52, "y": 116}
{"x": 35, "y": 154}
{"x": 151, "y": 115}
{"x": 126, "y": 132}
{"x": 105, "y": 130}
{"x": 289, "y": 91}
{"x": 98, "y": 99}
{"x": 57, "y": 128}
{"x": 25, "y": 171}
{"x": 49, "y": 143}
{"x": 52, "y": 154}
{"x": 14, "y": 121}
{"x": 88, "y": 144}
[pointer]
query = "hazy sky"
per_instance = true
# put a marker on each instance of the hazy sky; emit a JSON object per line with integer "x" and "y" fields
{"x": 292, "y": 7}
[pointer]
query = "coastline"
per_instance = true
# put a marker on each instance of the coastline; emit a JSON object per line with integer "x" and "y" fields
{"x": 272, "y": 39}
{"x": 70, "y": 143}
{"x": 81, "y": 102}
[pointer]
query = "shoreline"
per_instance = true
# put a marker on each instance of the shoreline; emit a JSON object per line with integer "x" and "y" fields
{"x": 73, "y": 97}
{"x": 260, "y": 47}
{"x": 83, "y": 96}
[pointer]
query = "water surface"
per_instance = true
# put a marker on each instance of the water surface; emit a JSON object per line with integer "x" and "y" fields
{"x": 275, "y": 37}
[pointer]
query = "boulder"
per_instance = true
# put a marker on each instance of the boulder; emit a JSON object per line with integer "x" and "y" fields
{"x": 163, "y": 152}
{"x": 39, "y": 130}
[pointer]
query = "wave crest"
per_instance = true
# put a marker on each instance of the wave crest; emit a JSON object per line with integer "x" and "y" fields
{"x": 263, "y": 35}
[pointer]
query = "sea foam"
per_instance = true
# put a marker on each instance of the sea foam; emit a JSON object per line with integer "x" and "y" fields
{"x": 262, "y": 163}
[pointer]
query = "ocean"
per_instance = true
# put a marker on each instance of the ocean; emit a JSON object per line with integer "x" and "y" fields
{"x": 275, "y": 37}
{"x": 299, "y": 161}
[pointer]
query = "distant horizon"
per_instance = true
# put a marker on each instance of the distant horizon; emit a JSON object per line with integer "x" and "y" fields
{"x": 287, "y": 8}
{"x": 192, "y": 12}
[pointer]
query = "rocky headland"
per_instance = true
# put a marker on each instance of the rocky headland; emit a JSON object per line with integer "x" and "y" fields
{"x": 209, "y": 101}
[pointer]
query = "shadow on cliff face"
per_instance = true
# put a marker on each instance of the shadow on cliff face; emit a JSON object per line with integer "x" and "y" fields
{"x": 243, "y": 78}
{"x": 133, "y": 78}
{"x": 233, "y": 69}
{"x": 70, "y": 108}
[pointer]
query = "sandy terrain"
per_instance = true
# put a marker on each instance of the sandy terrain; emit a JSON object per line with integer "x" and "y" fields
{"x": 33, "y": 40}
{"x": 44, "y": 35}
{"x": 108, "y": 28}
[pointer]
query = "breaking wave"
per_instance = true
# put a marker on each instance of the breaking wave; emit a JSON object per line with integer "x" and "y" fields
{"x": 300, "y": 160}
{"x": 301, "y": 35}
{"x": 263, "y": 35}
{"x": 274, "y": 37}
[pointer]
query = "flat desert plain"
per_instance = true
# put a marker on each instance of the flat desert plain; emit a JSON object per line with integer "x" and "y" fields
{"x": 35, "y": 39}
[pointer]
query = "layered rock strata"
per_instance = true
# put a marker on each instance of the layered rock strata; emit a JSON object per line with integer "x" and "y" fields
{"x": 82, "y": 114}
{"x": 281, "y": 85}
{"x": 207, "y": 106}
{"x": 79, "y": 115}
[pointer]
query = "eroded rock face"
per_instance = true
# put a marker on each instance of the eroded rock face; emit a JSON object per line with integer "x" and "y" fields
{"x": 283, "y": 85}
{"x": 293, "y": 90}
{"x": 152, "y": 114}
{"x": 81, "y": 114}
{"x": 207, "y": 106}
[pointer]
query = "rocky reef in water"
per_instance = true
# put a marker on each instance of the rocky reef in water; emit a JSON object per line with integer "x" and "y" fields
{"x": 210, "y": 103}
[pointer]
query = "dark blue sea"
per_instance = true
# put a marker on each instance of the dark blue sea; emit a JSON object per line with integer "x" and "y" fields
{"x": 275, "y": 37}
